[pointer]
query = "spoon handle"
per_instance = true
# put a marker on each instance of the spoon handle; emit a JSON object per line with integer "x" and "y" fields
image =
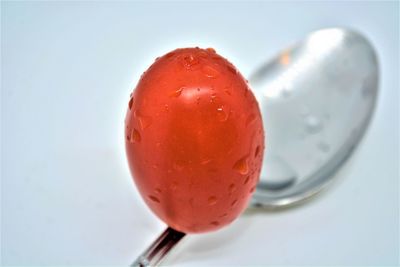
{"x": 159, "y": 248}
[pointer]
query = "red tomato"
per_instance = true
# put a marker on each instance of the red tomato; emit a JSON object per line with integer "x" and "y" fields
{"x": 194, "y": 140}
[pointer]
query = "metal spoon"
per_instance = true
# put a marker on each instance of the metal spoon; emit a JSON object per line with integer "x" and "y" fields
{"x": 317, "y": 99}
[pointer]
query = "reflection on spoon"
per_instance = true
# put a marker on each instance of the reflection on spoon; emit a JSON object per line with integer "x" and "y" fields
{"x": 279, "y": 175}
{"x": 312, "y": 97}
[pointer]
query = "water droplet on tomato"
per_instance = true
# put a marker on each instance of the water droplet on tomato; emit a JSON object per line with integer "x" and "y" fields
{"x": 170, "y": 54}
{"x": 203, "y": 54}
{"x": 251, "y": 118}
{"x": 242, "y": 166}
{"x": 257, "y": 151}
{"x": 134, "y": 136}
{"x": 174, "y": 185}
{"x": 232, "y": 188}
{"x": 190, "y": 60}
{"x": 144, "y": 121}
{"x": 178, "y": 165}
{"x": 130, "y": 103}
{"x": 232, "y": 69}
{"x": 222, "y": 115}
{"x": 210, "y": 72}
{"x": 234, "y": 203}
{"x": 215, "y": 223}
{"x": 211, "y": 50}
{"x": 176, "y": 93}
{"x": 206, "y": 161}
{"x": 252, "y": 189}
{"x": 212, "y": 200}
{"x": 153, "y": 198}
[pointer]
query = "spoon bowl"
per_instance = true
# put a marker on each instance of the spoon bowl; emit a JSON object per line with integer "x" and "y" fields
{"x": 317, "y": 99}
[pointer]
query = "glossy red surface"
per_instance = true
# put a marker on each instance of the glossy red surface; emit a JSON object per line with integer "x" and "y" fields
{"x": 194, "y": 140}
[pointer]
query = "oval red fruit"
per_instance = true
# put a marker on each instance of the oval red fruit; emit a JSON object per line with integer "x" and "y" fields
{"x": 194, "y": 140}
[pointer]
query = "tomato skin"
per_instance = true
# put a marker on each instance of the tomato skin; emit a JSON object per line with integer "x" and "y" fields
{"x": 194, "y": 140}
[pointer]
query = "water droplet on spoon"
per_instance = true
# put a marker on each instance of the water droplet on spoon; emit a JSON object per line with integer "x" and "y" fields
{"x": 313, "y": 124}
{"x": 324, "y": 147}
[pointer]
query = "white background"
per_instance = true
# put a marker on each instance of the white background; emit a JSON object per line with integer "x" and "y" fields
{"x": 66, "y": 192}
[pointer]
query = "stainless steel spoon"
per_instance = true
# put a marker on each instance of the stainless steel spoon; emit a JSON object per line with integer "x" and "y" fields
{"x": 317, "y": 99}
